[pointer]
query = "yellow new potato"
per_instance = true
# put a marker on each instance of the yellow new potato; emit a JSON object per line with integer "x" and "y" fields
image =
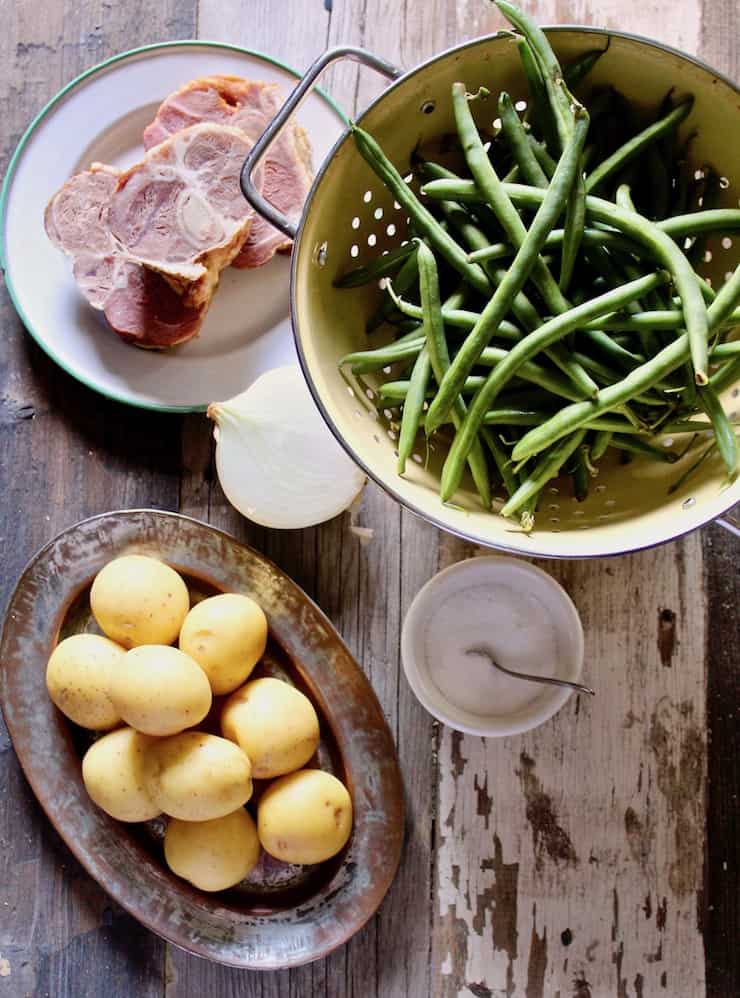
{"x": 274, "y": 723}
{"x": 212, "y": 855}
{"x": 197, "y": 777}
{"x": 160, "y": 690}
{"x": 77, "y": 678}
{"x": 139, "y": 601}
{"x": 113, "y": 771}
{"x": 226, "y": 635}
{"x": 305, "y": 817}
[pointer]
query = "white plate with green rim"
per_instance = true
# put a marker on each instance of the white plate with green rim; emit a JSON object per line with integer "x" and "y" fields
{"x": 101, "y": 116}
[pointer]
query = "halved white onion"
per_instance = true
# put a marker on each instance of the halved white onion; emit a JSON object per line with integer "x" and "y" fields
{"x": 276, "y": 458}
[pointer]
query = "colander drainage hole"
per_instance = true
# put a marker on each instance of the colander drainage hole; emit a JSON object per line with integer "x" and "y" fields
{"x": 390, "y": 229}
{"x": 726, "y": 242}
{"x": 372, "y": 239}
{"x": 610, "y": 502}
{"x": 417, "y": 458}
{"x": 355, "y": 222}
{"x": 367, "y": 197}
{"x": 724, "y": 183}
{"x": 554, "y": 506}
{"x": 427, "y": 107}
{"x": 578, "y": 512}
{"x": 688, "y": 503}
{"x": 354, "y": 250}
{"x": 600, "y": 488}
{"x": 521, "y": 105}
{"x": 554, "y": 490}
{"x": 378, "y": 213}
{"x": 707, "y": 256}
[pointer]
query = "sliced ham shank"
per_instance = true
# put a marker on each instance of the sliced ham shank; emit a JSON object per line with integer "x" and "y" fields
{"x": 248, "y": 106}
{"x": 148, "y": 244}
{"x": 138, "y": 303}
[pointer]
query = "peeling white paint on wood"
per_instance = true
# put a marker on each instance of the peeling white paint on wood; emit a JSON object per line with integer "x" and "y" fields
{"x": 569, "y": 860}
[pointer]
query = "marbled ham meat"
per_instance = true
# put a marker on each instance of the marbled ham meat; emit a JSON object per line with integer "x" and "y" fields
{"x": 138, "y": 303}
{"x": 248, "y": 106}
{"x": 148, "y": 244}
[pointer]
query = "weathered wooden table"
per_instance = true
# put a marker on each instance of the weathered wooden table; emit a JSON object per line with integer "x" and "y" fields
{"x": 596, "y": 857}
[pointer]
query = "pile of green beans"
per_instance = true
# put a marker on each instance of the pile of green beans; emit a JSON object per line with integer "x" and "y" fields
{"x": 546, "y": 305}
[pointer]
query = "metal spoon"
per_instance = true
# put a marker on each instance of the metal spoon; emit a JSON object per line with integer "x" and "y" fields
{"x": 550, "y": 680}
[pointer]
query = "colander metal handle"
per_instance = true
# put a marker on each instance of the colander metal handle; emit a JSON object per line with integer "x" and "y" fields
{"x": 730, "y": 520}
{"x": 250, "y": 192}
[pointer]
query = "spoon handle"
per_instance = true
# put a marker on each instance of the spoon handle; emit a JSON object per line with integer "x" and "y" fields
{"x": 549, "y": 680}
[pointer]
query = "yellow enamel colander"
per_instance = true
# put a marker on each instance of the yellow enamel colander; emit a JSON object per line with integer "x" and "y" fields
{"x": 349, "y": 218}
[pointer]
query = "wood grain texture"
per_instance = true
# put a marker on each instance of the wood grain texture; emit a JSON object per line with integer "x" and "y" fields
{"x": 66, "y": 453}
{"x": 564, "y": 863}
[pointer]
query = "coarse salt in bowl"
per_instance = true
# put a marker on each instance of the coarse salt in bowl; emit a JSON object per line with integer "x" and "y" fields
{"x": 522, "y": 615}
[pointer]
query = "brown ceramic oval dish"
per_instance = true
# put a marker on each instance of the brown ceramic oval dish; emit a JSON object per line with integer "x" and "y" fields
{"x": 281, "y": 916}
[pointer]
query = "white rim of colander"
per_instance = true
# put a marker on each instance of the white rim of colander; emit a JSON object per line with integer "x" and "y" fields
{"x": 532, "y": 549}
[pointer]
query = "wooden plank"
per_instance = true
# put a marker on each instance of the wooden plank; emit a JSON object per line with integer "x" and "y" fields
{"x": 575, "y": 853}
{"x": 563, "y": 866}
{"x": 722, "y": 919}
{"x": 364, "y": 590}
{"x": 66, "y": 453}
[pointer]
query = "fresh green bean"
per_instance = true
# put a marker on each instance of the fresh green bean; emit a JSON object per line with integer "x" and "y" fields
{"x": 680, "y": 482}
{"x": 538, "y": 107}
{"x": 440, "y": 360}
{"x": 637, "y": 446}
{"x": 533, "y": 417}
{"x": 421, "y": 216}
{"x": 551, "y": 331}
{"x": 413, "y": 406}
{"x": 626, "y": 359}
{"x": 660, "y": 319}
{"x": 366, "y": 361}
{"x": 562, "y": 102}
{"x": 529, "y": 169}
{"x": 727, "y": 375}
{"x": 545, "y": 469}
{"x": 379, "y": 267}
{"x": 642, "y": 378}
{"x": 695, "y": 222}
{"x": 396, "y": 391}
{"x": 624, "y": 197}
{"x": 725, "y": 351}
{"x": 542, "y": 156}
{"x": 496, "y": 251}
{"x": 724, "y": 434}
{"x": 591, "y": 237}
{"x": 599, "y": 447}
{"x": 636, "y": 145}
{"x": 515, "y": 277}
{"x": 580, "y": 474}
{"x": 405, "y": 279}
{"x": 501, "y": 459}
{"x": 575, "y": 220}
{"x": 579, "y": 69}
{"x": 456, "y": 317}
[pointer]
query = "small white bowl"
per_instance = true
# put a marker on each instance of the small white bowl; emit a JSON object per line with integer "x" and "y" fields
{"x": 524, "y": 616}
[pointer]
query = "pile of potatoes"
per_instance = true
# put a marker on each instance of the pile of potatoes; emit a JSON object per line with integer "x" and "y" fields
{"x": 150, "y": 697}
